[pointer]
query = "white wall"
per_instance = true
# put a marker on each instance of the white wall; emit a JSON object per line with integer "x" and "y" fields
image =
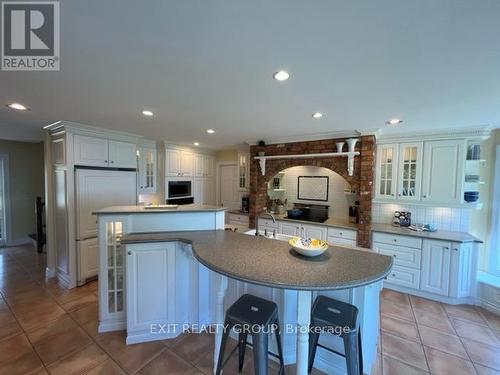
{"x": 337, "y": 200}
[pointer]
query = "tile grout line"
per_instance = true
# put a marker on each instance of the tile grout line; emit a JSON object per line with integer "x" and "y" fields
{"x": 418, "y": 332}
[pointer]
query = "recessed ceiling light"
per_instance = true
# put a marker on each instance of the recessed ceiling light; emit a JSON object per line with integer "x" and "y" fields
{"x": 394, "y": 122}
{"x": 210, "y": 131}
{"x": 196, "y": 143}
{"x": 317, "y": 115}
{"x": 17, "y": 106}
{"x": 147, "y": 113}
{"x": 281, "y": 75}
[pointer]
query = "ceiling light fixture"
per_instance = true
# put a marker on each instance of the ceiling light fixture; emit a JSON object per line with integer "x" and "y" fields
{"x": 196, "y": 143}
{"x": 394, "y": 122}
{"x": 210, "y": 131}
{"x": 17, "y": 106}
{"x": 281, "y": 75}
{"x": 147, "y": 113}
{"x": 317, "y": 115}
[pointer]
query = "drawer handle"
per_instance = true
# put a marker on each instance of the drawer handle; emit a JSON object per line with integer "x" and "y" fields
{"x": 395, "y": 240}
{"x": 340, "y": 233}
{"x": 394, "y": 255}
{"x": 393, "y": 275}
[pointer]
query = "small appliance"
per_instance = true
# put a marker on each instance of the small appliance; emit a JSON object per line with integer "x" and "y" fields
{"x": 179, "y": 189}
{"x": 245, "y": 204}
{"x": 401, "y": 219}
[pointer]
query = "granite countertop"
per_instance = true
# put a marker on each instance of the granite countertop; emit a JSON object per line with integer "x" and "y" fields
{"x": 143, "y": 210}
{"x": 438, "y": 235}
{"x": 331, "y": 222}
{"x": 273, "y": 263}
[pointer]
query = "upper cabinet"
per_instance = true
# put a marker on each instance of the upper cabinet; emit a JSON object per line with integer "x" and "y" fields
{"x": 243, "y": 170}
{"x": 147, "y": 169}
{"x": 100, "y": 152}
{"x": 90, "y": 151}
{"x": 443, "y": 171}
{"x": 409, "y": 171}
{"x": 429, "y": 172}
{"x": 179, "y": 162}
{"x": 387, "y": 156}
{"x": 204, "y": 165}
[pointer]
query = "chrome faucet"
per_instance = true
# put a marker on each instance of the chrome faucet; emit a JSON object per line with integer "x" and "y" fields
{"x": 271, "y": 216}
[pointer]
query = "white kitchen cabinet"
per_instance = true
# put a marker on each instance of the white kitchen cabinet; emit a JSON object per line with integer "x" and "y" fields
{"x": 122, "y": 154}
{"x": 208, "y": 191}
{"x": 342, "y": 236}
{"x": 172, "y": 162}
{"x": 210, "y": 166}
{"x": 91, "y": 151}
{"x": 443, "y": 172}
{"x": 314, "y": 231}
{"x": 151, "y": 287}
{"x": 435, "y": 275}
{"x": 387, "y": 156}
{"x": 198, "y": 186}
{"x": 187, "y": 163}
{"x": 199, "y": 165}
{"x": 336, "y": 241}
{"x": 404, "y": 276}
{"x": 58, "y": 150}
{"x": 409, "y": 171}
{"x": 147, "y": 170}
{"x": 289, "y": 228}
{"x": 403, "y": 256}
{"x": 243, "y": 170}
{"x": 88, "y": 259}
{"x": 463, "y": 264}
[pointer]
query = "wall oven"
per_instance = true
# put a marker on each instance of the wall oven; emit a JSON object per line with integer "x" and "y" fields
{"x": 179, "y": 189}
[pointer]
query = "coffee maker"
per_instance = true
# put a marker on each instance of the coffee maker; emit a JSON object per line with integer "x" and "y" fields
{"x": 245, "y": 204}
{"x": 402, "y": 219}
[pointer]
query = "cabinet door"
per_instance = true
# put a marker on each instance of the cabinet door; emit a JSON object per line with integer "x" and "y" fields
{"x": 208, "y": 191}
{"x": 210, "y": 166}
{"x": 172, "y": 162}
{"x": 243, "y": 169}
{"x": 462, "y": 270}
{"x": 90, "y": 151}
{"x": 314, "y": 231}
{"x": 289, "y": 228}
{"x": 150, "y": 280}
{"x": 410, "y": 171}
{"x": 387, "y": 156}
{"x": 187, "y": 163}
{"x": 443, "y": 171}
{"x": 435, "y": 267}
{"x": 340, "y": 241}
{"x": 88, "y": 260}
{"x": 122, "y": 154}
{"x": 199, "y": 165}
{"x": 147, "y": 170}
{"x": 198, "y": 190}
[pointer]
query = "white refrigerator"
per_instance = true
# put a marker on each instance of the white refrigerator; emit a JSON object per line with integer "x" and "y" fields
{"x": 95, "y": 189}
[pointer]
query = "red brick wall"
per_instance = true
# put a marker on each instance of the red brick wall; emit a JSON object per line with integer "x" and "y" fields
{"x": 361, "y": 180}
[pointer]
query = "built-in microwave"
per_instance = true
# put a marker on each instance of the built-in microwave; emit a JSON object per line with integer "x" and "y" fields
{"x": 179, "y": 189}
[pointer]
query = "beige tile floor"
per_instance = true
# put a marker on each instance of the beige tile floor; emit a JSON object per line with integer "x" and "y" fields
{"x": 45, "y": 328}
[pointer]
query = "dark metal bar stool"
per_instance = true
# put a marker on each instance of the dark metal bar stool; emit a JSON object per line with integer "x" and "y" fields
{"x": 251, "y": 315}
{"x": 341, "y": 318}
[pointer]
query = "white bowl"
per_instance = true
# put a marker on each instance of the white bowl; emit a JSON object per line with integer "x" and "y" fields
{"x": 308, "y": 247}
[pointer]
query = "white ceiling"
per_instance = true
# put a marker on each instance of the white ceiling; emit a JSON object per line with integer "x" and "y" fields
{"x": 209, "y": 64}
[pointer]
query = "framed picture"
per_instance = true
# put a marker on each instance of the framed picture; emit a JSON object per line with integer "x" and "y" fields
{"x": 313, "y": 188}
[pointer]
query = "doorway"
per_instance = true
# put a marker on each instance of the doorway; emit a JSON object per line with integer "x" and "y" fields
{"x": 4, "y": 199}
{"x": 228, "y": 186}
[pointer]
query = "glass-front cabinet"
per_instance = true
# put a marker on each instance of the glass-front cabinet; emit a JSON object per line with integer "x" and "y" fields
{"x": 243, "y": 170}
{"x": 147, "y": 169}
{"x": 410, "y": 171}
{"x": 112, "y": 274}
{"x": 386, "y": 171}
{"x": 399, "y": 171}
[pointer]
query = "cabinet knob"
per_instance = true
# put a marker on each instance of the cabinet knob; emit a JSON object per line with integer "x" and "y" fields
{"x": 129, "y": 253}
{"x": 399, "y": 194}
{"x": 393, "y": 275}
{"x": 447, "y": 248}
{"x": 112, "y": 162}
{"x": 455, "y": 249}
{"x": 425, "y": 196}
{"x": 395, "y": 240}
{"x": 105, "y": 161}
{"x": 394, "y": 255}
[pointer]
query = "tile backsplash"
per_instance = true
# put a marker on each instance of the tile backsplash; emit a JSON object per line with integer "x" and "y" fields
{"x": 445, "y": 218}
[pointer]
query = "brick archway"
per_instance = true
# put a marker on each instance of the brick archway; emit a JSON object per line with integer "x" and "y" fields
{"x": 361, "y": 181}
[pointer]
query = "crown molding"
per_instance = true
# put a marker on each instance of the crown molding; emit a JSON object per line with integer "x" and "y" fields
{"x": 309, "y": 137}
{"x": 480, "y": 133}
{"x": 91, "y": 131}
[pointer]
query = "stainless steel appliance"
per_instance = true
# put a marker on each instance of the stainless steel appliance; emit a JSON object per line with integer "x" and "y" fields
{"x": 309, "y": 212}
{"x": 179, "y": 189}
{"x": 245, "y": 204}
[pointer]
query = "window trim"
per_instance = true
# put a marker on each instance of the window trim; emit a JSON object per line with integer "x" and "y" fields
{"x": 494, "y": 241}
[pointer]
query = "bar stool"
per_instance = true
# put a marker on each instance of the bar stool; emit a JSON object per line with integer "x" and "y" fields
{"x": 257, "y": 317}
{"x": 342, "y": 318}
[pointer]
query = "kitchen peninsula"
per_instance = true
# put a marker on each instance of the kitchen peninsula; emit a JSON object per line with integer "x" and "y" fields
{"x": 182, "y": 270}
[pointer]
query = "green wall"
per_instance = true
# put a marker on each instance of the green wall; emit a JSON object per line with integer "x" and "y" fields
{"x": 26, "y": 182}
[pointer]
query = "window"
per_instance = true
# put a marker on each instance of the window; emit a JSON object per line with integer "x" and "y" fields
{"x": 494, "y": 264}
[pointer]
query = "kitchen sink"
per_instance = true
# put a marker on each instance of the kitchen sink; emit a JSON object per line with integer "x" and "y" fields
{"x": 279, "y": 237}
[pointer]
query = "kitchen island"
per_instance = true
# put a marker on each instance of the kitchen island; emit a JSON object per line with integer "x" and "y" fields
{"x": 169, "y": 287}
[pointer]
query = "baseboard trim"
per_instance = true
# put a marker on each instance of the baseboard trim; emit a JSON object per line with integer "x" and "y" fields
{"x": 111, "y": 326}
{"x": 434, "y": 297}
{"x": 19, "y": 242}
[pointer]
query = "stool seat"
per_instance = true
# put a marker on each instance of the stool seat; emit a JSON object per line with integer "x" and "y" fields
{"x": 253, "y": 310}
{"x": 330, "y": 313}
{"x": 257, "y": 317}
{"x": 335, "y": 313}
